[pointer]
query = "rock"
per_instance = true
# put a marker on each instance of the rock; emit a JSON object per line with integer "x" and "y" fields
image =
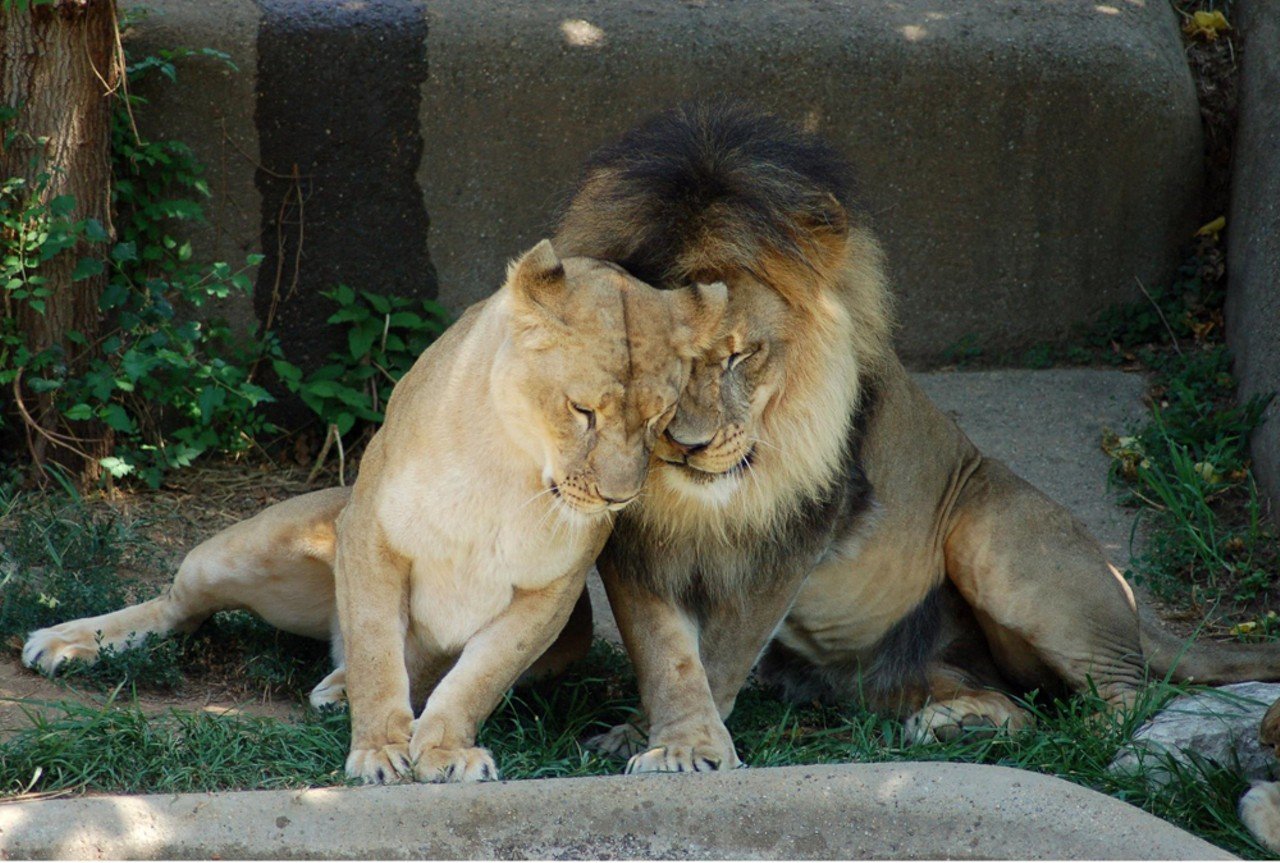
{"x": 1219, "y": 725}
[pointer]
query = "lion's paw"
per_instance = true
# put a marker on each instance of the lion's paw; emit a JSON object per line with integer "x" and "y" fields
{"x": 1260, "y": 811}
{"x": 620, "y": 741}
{"x": 47, "y": 649}
{"x": 470, "y": 764}
{"x": 683, "y": 759}
{"x": 330, "y": 693}
{"x": 973, "y": 717}
{"x": 381, "y": 766}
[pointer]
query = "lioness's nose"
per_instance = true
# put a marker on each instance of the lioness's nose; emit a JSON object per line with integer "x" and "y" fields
{"x": 687, "y": 447}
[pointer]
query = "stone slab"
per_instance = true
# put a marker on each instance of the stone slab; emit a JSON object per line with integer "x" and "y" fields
{"x": 1253, "y": 252}
{"x": 1025, "y": 162}
{"x": 879, "y": 811}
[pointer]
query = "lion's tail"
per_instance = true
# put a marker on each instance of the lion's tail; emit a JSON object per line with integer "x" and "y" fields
{"x": 1190, "y": 661}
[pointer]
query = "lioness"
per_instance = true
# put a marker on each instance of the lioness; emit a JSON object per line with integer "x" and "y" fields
{"x": 807, "y": 497}
{"x": 478, "y": 509}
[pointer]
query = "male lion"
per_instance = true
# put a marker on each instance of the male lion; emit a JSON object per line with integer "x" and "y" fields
{"x": 458, "y": 555}
{"x": 807, "y": 497}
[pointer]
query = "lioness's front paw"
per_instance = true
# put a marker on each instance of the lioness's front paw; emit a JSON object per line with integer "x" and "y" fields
{"x": 620, "y": 741}
{"x": 46, "y": 649}
{"x": 380, "y": 766}
{"x": 471, "y": 764}
{"x": 978, "y": 717}
{"x": 683, "y": 759}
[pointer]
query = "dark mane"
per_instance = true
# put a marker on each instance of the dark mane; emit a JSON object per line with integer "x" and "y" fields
{"x": 708, "y": 185}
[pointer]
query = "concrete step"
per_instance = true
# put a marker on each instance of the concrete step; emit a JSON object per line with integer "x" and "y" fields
{"x": 1027, "y": 163}
{"x": 907, "y": 811}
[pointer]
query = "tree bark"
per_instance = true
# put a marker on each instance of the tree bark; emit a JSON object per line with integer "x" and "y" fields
{"x": 59, "y": 68}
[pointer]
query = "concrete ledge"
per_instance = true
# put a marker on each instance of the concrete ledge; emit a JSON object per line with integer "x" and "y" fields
{"x": 1024, "y": 161}
{"x": 899, "y": 811}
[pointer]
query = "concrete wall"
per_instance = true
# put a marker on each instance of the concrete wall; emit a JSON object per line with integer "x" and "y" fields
{"x": 1025, "y": 161}
{"x": 1253, "y": 295}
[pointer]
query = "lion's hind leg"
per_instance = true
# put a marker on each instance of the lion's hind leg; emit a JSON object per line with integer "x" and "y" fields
{"x": 1051, "y": 608}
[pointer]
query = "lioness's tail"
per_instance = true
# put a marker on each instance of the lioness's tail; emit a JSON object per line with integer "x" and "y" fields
{"x": 1186, "y": 661}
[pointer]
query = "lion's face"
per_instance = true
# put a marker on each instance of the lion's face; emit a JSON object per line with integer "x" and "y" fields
{"x": 592, "y": 373}
{"x": 717, "y": 432}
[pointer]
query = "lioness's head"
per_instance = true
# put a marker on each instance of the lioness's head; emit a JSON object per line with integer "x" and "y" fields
{"x": 592, "y": 369}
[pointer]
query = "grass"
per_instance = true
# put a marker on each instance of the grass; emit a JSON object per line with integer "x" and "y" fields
{"x": 61, "y": 558}
{"x": 538, "y": 733}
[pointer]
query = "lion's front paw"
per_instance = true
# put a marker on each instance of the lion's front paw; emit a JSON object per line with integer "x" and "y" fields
{"x": 380, "y": 766}
{"x": 46, "y": 649}
{"x": 620, "y": 741}
{"x": 684, "y": 759}
{"x": 969, "y": 716}
{"x": 470, "y": 764}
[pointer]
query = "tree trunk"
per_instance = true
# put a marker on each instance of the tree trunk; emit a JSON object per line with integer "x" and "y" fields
{"x": 59, "y": 67}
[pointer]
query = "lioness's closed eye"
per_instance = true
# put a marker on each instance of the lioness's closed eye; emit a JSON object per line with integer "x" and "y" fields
{"x": 484, "y": 498}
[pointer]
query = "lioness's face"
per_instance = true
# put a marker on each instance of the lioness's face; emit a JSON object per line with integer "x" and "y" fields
{"x": 592, "y": 374}
{"x": 715, "y": 435}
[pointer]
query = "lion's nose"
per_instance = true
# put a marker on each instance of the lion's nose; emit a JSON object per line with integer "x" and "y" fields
{"x": 687, "y": 447}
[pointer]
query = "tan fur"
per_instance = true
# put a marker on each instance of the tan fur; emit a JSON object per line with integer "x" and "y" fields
{"x": 462, "y": 549}
{"x": 483, "y": 499}
{"x": 1036, "y": 603}
{"x": 1259, "y": 808}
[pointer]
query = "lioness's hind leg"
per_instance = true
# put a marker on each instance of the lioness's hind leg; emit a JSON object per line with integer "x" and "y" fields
{"x": 277, "y": 564}
{"x": 84, "y": 639}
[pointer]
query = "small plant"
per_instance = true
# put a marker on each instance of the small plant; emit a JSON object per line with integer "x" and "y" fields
{"x": 385, "y": 336}
{"x": 170, "y": 387}
{"x": 963, "y": 352}
{"x": 1187, "y": 465}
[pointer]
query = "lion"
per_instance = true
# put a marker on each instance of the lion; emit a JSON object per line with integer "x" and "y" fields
{"x": 460, "y": 552}
{"x": 809, "y": 513}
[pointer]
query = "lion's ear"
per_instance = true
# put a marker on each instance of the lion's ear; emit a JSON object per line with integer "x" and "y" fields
{"x": 699, "y": 312}
{"x": 537, "y": 283}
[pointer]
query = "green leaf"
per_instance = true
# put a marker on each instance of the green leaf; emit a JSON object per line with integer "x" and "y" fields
{"x": 125, "y": 252}
{"x": 85, "y": 268}
{"x": 380, "y": 304}
{"x": 360, "y": 340}
{"x": 117, "y": 418}
{"x": 62, "y": 205}
{"x": 211, "y": 398}
{"x": 94, "y": 232}
{"x": 117, "y": 467}
{"x": 78, "y": 412}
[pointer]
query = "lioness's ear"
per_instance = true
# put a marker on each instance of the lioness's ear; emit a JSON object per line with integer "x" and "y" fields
{"x": 699, "y": 313}
{"x": 537, "y": 280}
